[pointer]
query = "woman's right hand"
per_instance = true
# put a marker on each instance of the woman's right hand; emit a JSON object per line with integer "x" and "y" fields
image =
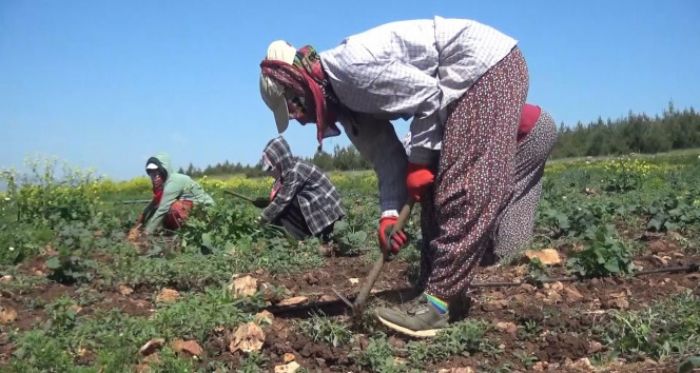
{"x": 134, "y": 233}
{"x": 398, "y": 240}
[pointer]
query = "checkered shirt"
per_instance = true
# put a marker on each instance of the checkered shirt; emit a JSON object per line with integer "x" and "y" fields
{"x": 317, "y": 197}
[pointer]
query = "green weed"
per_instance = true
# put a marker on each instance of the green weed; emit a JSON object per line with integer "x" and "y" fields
{"x": 669, "y": 328}
{"x": 379, "y": 357}
{"x": 323, "y": 329}
{"x": 604, "y": 255}
{"x": 463, "y": 337}
{"x": 253, "y": 363}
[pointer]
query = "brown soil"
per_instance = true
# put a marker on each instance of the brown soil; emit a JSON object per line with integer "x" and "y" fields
{"x": 554, "y": 322}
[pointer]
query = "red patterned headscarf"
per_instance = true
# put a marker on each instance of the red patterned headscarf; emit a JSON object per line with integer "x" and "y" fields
{"x": 306, "y": 78}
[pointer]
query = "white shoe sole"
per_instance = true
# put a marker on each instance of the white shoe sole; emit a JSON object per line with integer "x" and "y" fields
{"x": 412, "y": 333}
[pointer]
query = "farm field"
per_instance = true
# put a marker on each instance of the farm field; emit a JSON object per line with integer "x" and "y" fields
{"x": 225, "y": 295}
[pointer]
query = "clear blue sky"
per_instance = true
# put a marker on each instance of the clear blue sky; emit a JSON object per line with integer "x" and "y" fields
{"x": 105, "y": 84}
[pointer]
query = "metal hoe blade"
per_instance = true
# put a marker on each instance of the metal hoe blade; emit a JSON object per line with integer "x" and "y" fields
{"x": 342, "y": 297}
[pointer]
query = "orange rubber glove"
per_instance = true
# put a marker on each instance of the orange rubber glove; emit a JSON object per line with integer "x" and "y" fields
{"x": 419, "y": 178}
{"x": 398, "y": 240}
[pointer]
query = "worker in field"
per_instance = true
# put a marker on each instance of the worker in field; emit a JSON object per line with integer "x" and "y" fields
{"x": 303, "y": 200}
{"x": 174, "y": 196}
{"x": 464, "y": 85}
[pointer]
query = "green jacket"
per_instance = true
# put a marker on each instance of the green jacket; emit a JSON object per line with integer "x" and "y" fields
{"x": 177, "y": 186}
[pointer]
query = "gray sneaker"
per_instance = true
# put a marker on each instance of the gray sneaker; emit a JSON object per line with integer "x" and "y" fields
{"x": 421, "y": 322}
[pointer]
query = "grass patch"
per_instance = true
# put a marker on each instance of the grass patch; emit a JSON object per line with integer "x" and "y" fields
{"x": 115, "y": 337}
{"x": 463, "y": 337}
{"x": 323, "y": 329}
{"x": 667, "y": 329}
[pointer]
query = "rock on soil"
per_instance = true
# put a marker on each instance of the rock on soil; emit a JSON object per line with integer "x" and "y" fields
{"x": 245, "y": 286}
{"x": 167, "y": 296}
{"x": 190, "y": 347}
{"x": 546, "y": 256}
{"x": 151, "y": 346}
{"x": 247, "y": 338}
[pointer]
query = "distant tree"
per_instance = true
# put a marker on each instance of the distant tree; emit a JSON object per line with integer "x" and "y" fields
{"x": 636, "y": 133}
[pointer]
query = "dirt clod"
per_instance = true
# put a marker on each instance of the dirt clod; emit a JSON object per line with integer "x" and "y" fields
{"x": 617, "y": 301}
{"x": 594, "y": 346}
{"x": 247, "y": 338}
{"x": 190, "y": 347}
{"x": 507, "y": 327}
{"x": 245, "y": 286}
{"x": 495, "y": 305}
{"x": 293, "y": 301}
{"x": 546, "y": 256}
{"x": 572, "y": 294}
{"x": 168, "y": 296}
{"x": 580, "y": 365}
{"x": 290, "y": 367}
{"x": 7, "y": 315}
{"x": 457, "y": 370}
{"x": 264, "y": 317}
{"x": 397, "y": 343}
{"x": 125, "y": 290}
{"x": 310, "y": 278}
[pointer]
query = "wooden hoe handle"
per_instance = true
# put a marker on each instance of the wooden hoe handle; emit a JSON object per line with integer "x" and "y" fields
{"x": 371, "y": 278}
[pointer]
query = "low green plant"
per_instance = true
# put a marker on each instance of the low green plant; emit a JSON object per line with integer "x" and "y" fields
{"x": 323, "y": 329}
{"x": 463, "y": 337}
{"x": 19, "y": 241}
{"x": 195, "y": 316}
{"x": 531, "y": 330}
{"x": 38, "y": 352}
{"x": 69, "y": 269}
{"x": 254, "y": 362}
{"x": 604, "y": 255}
{"x": 72, "y": 264}
{"x": 624, "y": 174}
{"x": 674, "y": 212}
{"x": 350, "y": 240}
{"x": 21, "y": 283}
{"x": 50, "y": 195}
{"x": 526, "y": 359}
{"x": 669, "y": 328}
{"x": 536, "y": 272}
{"x": 171, "y": 362}
{"x": 211, "y": 228}
{"x": 379, "y": 357}
{"x": 62, "y": 314}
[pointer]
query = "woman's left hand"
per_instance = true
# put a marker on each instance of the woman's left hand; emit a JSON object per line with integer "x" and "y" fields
{"x": 419, "y": 178}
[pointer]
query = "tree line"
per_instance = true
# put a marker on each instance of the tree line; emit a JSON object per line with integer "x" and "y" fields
{"x": 635, "y": 133}
{"x": 342, "y": 159}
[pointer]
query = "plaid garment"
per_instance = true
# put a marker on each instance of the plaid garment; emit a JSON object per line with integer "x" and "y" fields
{"x": 318, "y": 200}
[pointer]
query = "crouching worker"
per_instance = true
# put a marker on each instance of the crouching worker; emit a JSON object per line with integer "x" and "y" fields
{"x": 174, "y": 196}
{"x": 302, "y": 200}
